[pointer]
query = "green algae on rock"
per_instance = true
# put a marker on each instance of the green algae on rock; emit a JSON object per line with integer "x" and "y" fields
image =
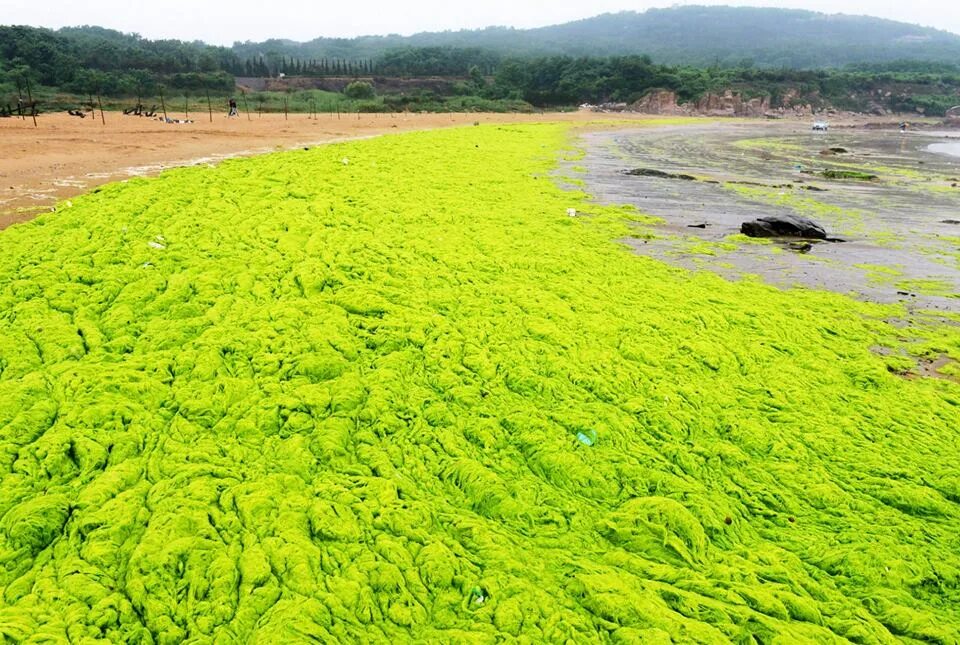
{"x": 342, "y": 402}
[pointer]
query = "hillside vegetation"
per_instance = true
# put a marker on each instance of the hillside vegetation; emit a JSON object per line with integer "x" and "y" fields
{"x": 362, "y": 393}
{"x": 700, "y": 36}
{"x": 65, "y": 69}
{"x": 846, "y": 62}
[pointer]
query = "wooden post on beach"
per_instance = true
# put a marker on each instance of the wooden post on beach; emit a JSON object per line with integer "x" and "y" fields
{"x": 20, "y": 101}
{"x": 33, "y": 106}
{"x": 186, "y": 106}
{"x": 100, "y": 103}
{"x": 243, "y": 93}
{"x": 286, "y": 112}
{"x": 209, "y": 106}
{"x": 163, "y": 104}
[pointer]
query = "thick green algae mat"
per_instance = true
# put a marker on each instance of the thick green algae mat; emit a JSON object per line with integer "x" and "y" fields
{"x": 336, "y": 395}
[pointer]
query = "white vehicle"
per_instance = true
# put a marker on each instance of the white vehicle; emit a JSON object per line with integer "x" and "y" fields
{"x": 821, "y": 126}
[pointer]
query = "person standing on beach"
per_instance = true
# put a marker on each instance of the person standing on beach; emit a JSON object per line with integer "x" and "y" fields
{"x": 233, "y": 108}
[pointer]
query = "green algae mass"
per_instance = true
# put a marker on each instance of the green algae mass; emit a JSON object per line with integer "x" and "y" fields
{"x": 292, "y": 399}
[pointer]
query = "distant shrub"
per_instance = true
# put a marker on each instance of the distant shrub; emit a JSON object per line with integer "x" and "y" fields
{"x": 359, "y": 90}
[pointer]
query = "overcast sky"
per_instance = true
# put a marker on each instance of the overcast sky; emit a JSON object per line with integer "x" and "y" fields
{"x": 222, "y": 22}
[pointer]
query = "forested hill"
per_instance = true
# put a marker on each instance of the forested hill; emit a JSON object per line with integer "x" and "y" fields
{"x": 764, "y": 37}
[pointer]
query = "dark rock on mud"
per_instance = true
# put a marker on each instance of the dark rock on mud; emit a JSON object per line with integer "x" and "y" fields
{"x": 704, "y": 225}
{"x": 651, "y": 172}
{"x": 783, "y": 226}
{"x": 950, "y": 221}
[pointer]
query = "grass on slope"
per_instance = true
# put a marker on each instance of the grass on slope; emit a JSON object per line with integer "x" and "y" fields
{"x": 335, "y": 394}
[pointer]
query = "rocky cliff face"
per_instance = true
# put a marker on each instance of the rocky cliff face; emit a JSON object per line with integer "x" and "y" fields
{"x": 658, "y": 102}
{"x": 790, "y": 102}
{"x": 731, "y": 104}
{"x": 727, "y": 104}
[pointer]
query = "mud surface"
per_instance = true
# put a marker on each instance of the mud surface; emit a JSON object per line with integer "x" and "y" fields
{"x": 900, "y": 244}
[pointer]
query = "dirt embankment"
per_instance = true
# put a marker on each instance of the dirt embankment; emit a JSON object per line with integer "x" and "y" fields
{"x": 387, "y": 85}
{"x": 66, "y": 156}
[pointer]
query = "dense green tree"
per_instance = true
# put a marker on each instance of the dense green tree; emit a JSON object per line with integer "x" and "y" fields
{"x": 359, "y": 90}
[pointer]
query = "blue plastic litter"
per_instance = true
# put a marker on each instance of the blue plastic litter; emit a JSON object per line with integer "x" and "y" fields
{"x": 587, "y": 437}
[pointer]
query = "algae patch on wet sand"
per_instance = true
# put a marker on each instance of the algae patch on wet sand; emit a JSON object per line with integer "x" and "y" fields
{"x": 342, "y": 394}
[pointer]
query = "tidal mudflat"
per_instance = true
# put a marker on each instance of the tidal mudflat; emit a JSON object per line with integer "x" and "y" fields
{"x": 892, "y": 198}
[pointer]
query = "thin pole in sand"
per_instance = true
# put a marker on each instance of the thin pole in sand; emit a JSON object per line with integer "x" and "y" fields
{"x": 20, "y": 102}
{"x": 286, "y": 113}
{"x": 33, "y": 106}
{"x": 100, "y": 103}
{"x": 163, "y": 104}
{"x": 209, "y": 106}
{"x": 186, "y": 106}
{"x": 243, "y": 93}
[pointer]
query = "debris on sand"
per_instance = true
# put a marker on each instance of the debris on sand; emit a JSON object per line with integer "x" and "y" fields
{"x": 784, "y": 226}
{"x": 849, "y": 174}
{"x": 651, "y": 172}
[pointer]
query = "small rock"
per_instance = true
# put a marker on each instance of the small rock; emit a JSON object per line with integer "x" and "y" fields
{"x": 950, "y": 221}
{"x": 783, "y": 226}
